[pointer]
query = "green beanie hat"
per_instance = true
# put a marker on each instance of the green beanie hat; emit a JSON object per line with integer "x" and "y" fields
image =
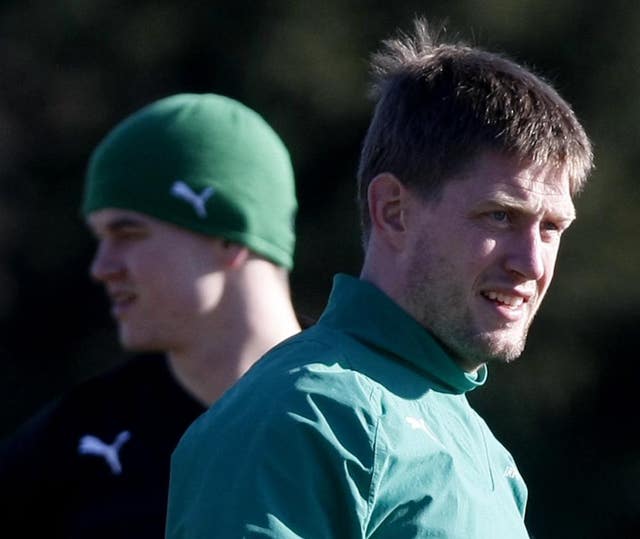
{"x": 203, "y": 162}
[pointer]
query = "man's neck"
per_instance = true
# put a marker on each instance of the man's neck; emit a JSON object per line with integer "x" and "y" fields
{"x": 206, "y": 373}
{"x": 224, "y": 350}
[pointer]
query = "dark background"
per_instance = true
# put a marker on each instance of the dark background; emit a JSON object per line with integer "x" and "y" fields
{"x": 70, "y": 70}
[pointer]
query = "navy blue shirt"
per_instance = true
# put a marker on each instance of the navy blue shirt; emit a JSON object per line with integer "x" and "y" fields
{"x": 95, "y": 463}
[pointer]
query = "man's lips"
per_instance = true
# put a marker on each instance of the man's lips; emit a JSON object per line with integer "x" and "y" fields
{"x": 510, "y": 303}
{"x": 121, "y": 300}
{"x": 512, "y": 300}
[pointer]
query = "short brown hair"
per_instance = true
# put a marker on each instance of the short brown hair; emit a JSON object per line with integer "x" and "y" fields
{"x": 440, "y": 105}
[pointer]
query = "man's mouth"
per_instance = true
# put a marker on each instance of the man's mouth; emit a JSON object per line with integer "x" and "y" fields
{"x": 120, "y": 301}
{"x": 511, "y": 301}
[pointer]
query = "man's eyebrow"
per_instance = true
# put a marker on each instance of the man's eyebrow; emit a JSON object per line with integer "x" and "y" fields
{"x": 124, "y": 222}
{"x": 118, "y": 224}
{"x": 509, "y": 202}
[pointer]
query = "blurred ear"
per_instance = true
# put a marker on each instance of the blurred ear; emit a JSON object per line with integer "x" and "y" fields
{"x": 388, "y": 198}
{"x": 233, "y": 255}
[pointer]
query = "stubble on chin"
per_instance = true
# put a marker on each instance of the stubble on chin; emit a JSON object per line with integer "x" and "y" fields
{"x": 470, "y": 351}
{"x": 494, "y": 348}
{"x": 441, "y": 305}
{"x": 456, "y": 331}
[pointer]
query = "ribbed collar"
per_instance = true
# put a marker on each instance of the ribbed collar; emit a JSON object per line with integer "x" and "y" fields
{"x": 366, "y": 313}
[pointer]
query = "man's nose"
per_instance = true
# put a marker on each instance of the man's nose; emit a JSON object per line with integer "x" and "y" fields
{"x": 526, "y": 255}
{"x": 106, "y": 264}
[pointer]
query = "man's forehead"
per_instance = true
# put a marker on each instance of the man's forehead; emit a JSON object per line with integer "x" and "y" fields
{"x": 538, "y": 187}
{"x": 109, "y": 217}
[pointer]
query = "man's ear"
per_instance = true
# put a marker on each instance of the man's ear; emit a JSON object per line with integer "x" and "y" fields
{"x": 233, "y": 254}
{"x": 387, "y": 198}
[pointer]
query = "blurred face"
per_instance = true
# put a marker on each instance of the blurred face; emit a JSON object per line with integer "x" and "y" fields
{"x": 163, "y": 281}
{"x": 481, "y": 258}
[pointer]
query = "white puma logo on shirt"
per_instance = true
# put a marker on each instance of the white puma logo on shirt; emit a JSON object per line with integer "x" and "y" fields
{"x": 512, "y": 473}
{"x": 181, "y": 190}
{"x": 419, "y": 424}
{"x": 92, "y": 445}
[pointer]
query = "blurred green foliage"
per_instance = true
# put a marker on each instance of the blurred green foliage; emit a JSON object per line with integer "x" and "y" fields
{"x": 69, "y": 70}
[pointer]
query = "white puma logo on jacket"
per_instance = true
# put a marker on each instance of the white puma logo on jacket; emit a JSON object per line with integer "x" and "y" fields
{"x": 181, "y": 190}
{"x": 92, "y": 445}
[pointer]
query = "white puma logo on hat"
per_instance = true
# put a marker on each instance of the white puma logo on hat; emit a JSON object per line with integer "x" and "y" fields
{"x": 92, "y": 445}
{"x": 181, "y": 190}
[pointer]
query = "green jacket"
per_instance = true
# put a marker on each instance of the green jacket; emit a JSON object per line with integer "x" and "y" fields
{"x": 356, "y": 428}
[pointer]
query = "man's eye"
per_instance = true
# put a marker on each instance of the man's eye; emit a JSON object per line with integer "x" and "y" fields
{"x": 128, "y": 233}
{"x": 549, "y": 226}
{"x": 500, "y": 216}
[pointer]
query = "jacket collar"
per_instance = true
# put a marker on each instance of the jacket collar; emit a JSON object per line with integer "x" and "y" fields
{"x": 367, "y": 314}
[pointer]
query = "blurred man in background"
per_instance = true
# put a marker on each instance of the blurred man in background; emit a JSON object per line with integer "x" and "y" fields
{"x": 192, "y": 201}
{"x": 466, "y": 181}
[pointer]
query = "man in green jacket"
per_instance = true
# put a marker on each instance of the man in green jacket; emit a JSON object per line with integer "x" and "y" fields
{"x": 359, "y": 427}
